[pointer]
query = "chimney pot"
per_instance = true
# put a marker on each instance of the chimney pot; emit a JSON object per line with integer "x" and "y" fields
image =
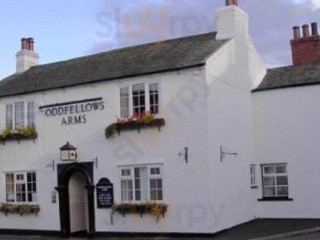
{"x": 31, "y": 44}
{"x": 296, "y": 32}
{"x": 305, "y": 30}
{"x": 231, "y": 2}
{"x": 24, "y": 44}
{"x": 314, "y": 29}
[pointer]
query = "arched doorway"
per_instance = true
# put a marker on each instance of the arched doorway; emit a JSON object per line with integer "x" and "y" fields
{"x": 76, "y": 190}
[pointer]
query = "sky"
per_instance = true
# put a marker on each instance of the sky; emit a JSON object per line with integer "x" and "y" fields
{"x": 69, "y": 29}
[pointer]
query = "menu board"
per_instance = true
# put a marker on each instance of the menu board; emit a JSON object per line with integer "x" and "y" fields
{"x": 104, "y": 193}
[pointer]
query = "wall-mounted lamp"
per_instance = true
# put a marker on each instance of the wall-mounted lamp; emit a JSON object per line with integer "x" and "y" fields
{"x": 223, "y": 154}
{"x": 68, "y": 152}
{"x": 185, "y": 154}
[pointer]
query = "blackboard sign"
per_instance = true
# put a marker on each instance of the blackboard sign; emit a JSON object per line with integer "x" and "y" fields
{"x": 104, "y": 193}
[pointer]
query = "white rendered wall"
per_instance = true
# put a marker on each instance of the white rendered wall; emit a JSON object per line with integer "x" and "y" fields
{"x": 287, "y": 131}
{"x": 231, "y": 74}
{"x": 183, "y": 100}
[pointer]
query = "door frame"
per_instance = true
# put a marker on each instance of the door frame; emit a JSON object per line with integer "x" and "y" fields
{"x": 65, "y": 171}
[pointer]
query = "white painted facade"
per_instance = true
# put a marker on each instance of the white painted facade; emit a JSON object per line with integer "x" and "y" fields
{"x": 206, "y": 109}
{"x": 287, "y": 131}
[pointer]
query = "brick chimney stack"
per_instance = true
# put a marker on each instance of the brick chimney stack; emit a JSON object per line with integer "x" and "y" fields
{"x": 305, "y": 48}
{"x": 26, "y": 57}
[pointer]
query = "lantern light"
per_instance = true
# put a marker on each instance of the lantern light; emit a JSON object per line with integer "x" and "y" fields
{"x": 68, "y": 152}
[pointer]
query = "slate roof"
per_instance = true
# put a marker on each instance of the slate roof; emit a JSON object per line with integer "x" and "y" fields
{"x": 290, "y": 76}
{"x": 127, "y": 62}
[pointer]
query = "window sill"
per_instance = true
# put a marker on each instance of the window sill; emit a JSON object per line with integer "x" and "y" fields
{"x": 254, "y": 187}
{"x": 274, "y": 199}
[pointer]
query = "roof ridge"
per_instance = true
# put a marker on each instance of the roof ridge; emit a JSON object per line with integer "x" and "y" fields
{"x": 149, "y": 58}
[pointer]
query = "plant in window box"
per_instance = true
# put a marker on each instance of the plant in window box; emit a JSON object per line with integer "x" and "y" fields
{"x": 21, "y": 209}
{"x": 28, "y": 132}
{"x": 157, "y": 210}
{"x": 29, "y": 209}
{"x": 146, "y": 119}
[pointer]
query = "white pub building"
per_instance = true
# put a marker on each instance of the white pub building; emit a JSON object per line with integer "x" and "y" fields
{"x": 185, "y": 136}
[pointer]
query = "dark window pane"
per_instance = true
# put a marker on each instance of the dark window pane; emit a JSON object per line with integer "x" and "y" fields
{"x": 137, "y": 183}
{"x": 269, "y": 181}
{"x": 29, "y": 197}
{"x": 269, "y": 191}
{"x": 138, "y": 195}
{"x": 282, "y": 191}
{"x": 281, "y": 169}
{"x": 153, "y": 195}
{"x": 269, "y": 169}
{"x": 282, "y": 180}
{"x": 159, "y": 195}
{"x": 153, "y": 183}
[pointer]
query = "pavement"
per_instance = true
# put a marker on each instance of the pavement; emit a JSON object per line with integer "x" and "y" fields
{"x": 261, "y": 229}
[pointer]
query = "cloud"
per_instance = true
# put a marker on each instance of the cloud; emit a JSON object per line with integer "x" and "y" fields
{"x": 126, "y": 23}
{"x": 316, "y": 5}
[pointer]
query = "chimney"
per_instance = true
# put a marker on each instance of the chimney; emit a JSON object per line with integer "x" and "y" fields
{"x": 26, "y": 57}
{"x": 231, "y": 2}
{"x": 305, "y": 48}
{"x": 232, "y": 21}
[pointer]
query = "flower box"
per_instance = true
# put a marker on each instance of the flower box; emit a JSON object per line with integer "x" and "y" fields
{"x": 24, "y": 133}
{"x": 22, "y": 209}
{"x": 134, "y": 123}
{"x": 157, "y": 210}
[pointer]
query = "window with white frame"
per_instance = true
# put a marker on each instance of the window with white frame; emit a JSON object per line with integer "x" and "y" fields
{"x": 141, "y": 183}
{"x": 275, "y": 181}
{"x": 253, "y": 175}
{"x": 9, "y": 118}
{"x": 30, "y": 115}
{"x": 20, "y": 114}
{"x": 21, "y": 187}
{"x": 138, "y": 98}
{"x": 154, "y": 97}
{"x": 124, "y": 102}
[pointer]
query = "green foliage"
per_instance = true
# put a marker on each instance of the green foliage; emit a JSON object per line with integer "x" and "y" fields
{"x": 26, "y": 132}
{"x": 157, "y": 210}
{"x": 22, "y": 209}
{"x": 22, "y": 133}
{"x": 110, "y": 130}
{"x": 6, "y": 134}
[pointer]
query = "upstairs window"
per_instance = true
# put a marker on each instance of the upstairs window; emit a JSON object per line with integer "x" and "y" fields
{"x": 124, "y": 102}
{"x": 154, "y": 97}
{"x": 9, "y": 118}
{"x": 143, "y": 183}
{"x": 139, "y": 98}
{"x": 21, "y": 187}
{"x": 19, "y": 115}
{"x": 30, "y": 116}
{"x": 275, "y": 181}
